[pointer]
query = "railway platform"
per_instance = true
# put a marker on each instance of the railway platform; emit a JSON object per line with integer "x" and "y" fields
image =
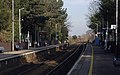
{"x": 94, "y": 61}
{"x": 15, "y": 58}
{"x": 9, "y": 55}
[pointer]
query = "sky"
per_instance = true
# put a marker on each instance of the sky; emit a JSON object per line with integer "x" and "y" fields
{"x": 77, "y": 11}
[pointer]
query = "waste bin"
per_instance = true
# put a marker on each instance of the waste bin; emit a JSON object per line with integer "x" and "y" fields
{"x": 2, "y": 49}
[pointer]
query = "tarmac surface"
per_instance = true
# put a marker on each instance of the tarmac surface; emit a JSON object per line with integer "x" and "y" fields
{"x": 94, "y": 61}
{"x": 103, "y": 63}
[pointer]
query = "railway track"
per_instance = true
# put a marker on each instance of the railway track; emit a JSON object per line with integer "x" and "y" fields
{"x": 66, "y": 65}
{"x": 53, "y": 67}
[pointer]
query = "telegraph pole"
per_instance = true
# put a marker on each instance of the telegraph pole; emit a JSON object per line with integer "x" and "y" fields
{"x": 12, "y": 25}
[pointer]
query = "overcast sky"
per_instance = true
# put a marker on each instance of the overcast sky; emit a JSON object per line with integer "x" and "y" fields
{"x": 77, "y": 11}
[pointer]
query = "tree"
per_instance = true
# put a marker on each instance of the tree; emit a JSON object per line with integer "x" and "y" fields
{"x": 74, "y": 37}
{"x": 104, "y": 17}
{"x": 105, "y": 12}
{"x": 57, "y": 18}
{"x": 38, "y": 15}
{"x": 5, "y": 20}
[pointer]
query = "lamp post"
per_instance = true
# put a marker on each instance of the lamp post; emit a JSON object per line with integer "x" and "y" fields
{"x": 28, "y": 36}
{"x": 97, "y": 29}
{"x": 12, "y": 25}
{"x": 56, "y": 31}
{"x": 107, "y": 29}
{"x": 20, "y": 24}
{"x": 116, "y": 22}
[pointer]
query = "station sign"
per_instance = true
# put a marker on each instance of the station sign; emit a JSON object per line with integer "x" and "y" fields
{"x": 42, "y": 32}
{"x": 113, "y": 26}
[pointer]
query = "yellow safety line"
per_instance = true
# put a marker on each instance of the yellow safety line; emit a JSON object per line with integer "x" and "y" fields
{"x": 91, "y": 65}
